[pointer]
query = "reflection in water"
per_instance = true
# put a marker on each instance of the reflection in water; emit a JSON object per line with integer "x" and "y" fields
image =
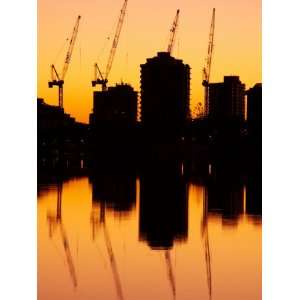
{"x": 254, "y": 194}
{"x": 233, "y": 191}
{"x": 109, "y": 212}
{"x": 170, "y": 273}
{"x": 114, "y": 184}
{"x": 99, "y": 222}
{"x": 163, "y": 204}
{"x": 117, "y": 192}
{"x": 56, "y": 221}
{"x": 204, "y": 231}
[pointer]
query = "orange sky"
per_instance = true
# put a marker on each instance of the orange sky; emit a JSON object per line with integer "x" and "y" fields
{"x": 145, "y": 32}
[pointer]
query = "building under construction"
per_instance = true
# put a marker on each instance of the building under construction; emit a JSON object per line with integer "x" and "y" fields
{"x": 113, "y": 123}
{"x": 227, "y": 99}
{"x": 165, "y": 93}
{"x": 115, "y": 106}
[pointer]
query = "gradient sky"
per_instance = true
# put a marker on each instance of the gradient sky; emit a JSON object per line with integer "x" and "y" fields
{"x": 145, "y": 32}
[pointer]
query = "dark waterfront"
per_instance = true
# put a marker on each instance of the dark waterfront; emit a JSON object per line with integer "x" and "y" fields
{"x": 158, "y": 194}
{"x": 150, "y": 210}
{"x": 165, "y": 227}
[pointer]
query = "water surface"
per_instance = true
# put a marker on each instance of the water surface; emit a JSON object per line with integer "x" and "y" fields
{"x": 148, "y": 237}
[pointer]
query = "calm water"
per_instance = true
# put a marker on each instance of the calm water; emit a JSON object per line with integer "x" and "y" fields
{"x": 146, "y": 237}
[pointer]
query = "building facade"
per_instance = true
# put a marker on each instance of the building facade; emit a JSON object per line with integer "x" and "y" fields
{"x": 51, "y": 117}
{"x": 165, "y": 92}
{"x": 227, "y": 99}
{"x": 60, "y": 139}
{"x": 117, "y": 105}
{"x": 254, "y": 106}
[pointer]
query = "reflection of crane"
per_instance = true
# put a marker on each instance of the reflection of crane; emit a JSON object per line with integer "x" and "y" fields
{"x": 173, "y": 33}
{"x": 99, "y": 78}
{"x": 56, "y": 220}
{"x": 59, "y": 80}
{"x": 97, "y": 222}
{"x": 204, "y": 231}
{"x": 170, "y": 272}
{"x": 206, "y": 69}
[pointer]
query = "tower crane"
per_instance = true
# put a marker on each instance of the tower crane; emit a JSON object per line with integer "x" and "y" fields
{"x": 207, "y": 67}
{"x": 100, "y": 222}
{"x": 173, "y": 32}
{"x": 99, "y": 78}
{"x": 56, "y": 220}
{"x": 58, "y": 79}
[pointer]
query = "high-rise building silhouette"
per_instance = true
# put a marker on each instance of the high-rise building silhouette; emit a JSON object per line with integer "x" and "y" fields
{"x": 227, "y": 99}
{"x": 254, "y": 106}
{"x": 165, "y": 92}
{"x": 116, "y": 105}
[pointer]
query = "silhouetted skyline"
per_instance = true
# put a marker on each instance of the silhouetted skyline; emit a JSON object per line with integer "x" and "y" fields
{"x": 145, "y": 32}
{"x": 136, "y": 187}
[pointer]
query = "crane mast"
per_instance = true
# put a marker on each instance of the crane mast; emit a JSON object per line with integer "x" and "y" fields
{"x": 173, "y": 31}
{"x": 116, "y": 39}
{"x": 207, "y": 68}
{"x": 59, "y": 80}
{"x": 99, "y": 79}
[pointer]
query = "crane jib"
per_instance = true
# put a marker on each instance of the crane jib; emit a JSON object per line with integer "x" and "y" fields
{"x": 59, "y": 80}
{"x": 98, "y": 76}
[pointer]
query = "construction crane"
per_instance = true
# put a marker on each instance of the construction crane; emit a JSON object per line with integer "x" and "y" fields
{"x": 100, "y": 222}
{"x": 173, "y": 31}
{"x": 56, "y": 221}
{"x": 99, "y": 78}
{"x": 58, "y": 79}
{"x": 170, "y": 272}
{"x": 204, "y": 231}
{"x": 207, "y": 68}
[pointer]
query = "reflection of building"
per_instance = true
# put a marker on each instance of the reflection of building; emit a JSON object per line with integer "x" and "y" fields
{"x": 225, "y": 199}
{"x": 163, "y": 204}
{"x": 225, "y": 192}
{"x": 117, "y": 105}
{"x": 118, "y": 192}
{"x": 226, "y": 99}
{"x": 254, "y": 190}
{"x": 165, "y": 92}
{"x": 254, "y": 197}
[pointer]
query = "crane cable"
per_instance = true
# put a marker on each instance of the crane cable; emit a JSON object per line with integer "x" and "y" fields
{"x": 60, "y": 50}
{"x": 107, "y": 40}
